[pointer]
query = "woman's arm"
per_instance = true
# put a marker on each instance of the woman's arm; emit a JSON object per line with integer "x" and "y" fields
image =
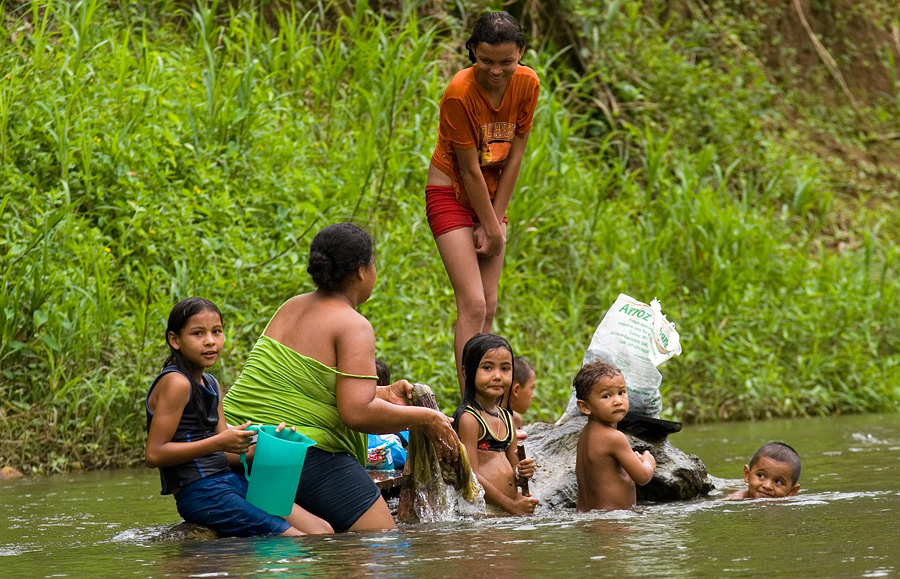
{"x": 509, "y": 175}
{"x": 480, "y": 199}
{"x": 172, "y": 393}
{"x": 363, "y": 411}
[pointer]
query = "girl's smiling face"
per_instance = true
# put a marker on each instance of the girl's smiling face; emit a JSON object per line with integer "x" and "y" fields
{"x": 494, "y": 375}
{"x": 495, "y": 64}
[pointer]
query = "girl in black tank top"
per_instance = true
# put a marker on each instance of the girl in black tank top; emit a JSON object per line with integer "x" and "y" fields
{"x": 188, "y": 440}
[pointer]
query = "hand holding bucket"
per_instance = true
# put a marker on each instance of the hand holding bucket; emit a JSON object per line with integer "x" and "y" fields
{"x": 277, "y": 464}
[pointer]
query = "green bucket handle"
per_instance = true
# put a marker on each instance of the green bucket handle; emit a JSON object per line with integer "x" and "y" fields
{"x": 277, "y": 466}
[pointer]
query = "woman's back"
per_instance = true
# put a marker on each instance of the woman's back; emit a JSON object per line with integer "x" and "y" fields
{"x": 314, "y": 325}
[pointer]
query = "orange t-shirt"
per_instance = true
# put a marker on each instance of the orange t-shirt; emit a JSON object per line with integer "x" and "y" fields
{"x": 469, "y": 121}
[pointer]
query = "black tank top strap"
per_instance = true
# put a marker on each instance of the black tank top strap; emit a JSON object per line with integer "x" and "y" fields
{"x": 191, "y": 429}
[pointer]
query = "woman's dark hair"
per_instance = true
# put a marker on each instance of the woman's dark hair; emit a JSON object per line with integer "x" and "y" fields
{"x": 178, "y": 319}
{"x": 474, "y": 350}
{"x": 337, "y": 252}
{"x": 495, "y": 28}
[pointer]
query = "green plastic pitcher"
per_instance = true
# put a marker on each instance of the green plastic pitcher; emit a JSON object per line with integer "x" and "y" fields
{"x": 277, "y": 464}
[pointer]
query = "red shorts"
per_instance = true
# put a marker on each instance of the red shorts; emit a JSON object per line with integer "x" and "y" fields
{"x": 445, "y": 213}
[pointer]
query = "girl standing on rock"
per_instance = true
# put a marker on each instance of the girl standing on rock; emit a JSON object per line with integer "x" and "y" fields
{"x": 485, "y": 118}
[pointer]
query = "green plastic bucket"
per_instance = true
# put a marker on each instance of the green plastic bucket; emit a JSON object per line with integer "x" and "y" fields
{"x": 277, "y": 464}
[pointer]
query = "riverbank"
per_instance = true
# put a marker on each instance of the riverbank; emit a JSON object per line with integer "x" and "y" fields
{"x": 151, "y": 154}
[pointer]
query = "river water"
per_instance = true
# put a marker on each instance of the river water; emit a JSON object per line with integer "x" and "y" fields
{"x": 844, "y": 523}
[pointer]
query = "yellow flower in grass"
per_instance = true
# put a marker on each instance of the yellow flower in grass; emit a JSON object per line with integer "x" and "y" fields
{"x": 197, "y": 190}
{"x": 107, "y": 250}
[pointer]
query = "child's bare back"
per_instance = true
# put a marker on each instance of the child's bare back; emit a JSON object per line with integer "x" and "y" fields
{"x": 605, "y": 466}
{"x": 602, "y": 482}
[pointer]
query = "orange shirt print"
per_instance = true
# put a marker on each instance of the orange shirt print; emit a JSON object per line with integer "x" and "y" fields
{"x": 494, "y": 143}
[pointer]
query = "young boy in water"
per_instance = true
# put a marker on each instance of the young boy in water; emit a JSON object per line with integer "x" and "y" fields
{"x": 773, "y": 473}
{"x": 605, "y": 466}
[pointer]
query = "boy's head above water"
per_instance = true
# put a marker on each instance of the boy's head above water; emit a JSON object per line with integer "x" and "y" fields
{"x": 600, "y": 392}
{"x": 773, "y": 472}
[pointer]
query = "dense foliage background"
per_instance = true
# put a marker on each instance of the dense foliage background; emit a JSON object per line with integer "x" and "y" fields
{"x": 737, "y": 160}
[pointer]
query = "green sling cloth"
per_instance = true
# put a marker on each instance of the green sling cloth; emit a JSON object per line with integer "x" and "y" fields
{"x": 279, "y": 384}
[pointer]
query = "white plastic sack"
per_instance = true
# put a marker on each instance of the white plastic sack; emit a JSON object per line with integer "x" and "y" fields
{"x": 636, "y": 338}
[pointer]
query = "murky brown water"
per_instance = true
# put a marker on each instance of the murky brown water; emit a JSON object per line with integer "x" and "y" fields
{"x": 844, "y": 523}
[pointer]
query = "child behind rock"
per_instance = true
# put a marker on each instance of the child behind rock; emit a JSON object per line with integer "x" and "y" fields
{"x": 521, "y": 392}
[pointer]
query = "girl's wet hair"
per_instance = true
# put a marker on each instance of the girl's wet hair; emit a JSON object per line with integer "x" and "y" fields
{"x": 495, "y": 28}
{"x": 178, "y": 319}
{"x": 473, "y": 352}
{"x": 336, "y": 253}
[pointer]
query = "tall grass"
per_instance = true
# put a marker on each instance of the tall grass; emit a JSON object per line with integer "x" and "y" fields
{"x": 193, "y": 149}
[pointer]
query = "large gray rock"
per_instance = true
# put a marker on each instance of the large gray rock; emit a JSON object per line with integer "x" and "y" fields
{"x": 678, "y": 476}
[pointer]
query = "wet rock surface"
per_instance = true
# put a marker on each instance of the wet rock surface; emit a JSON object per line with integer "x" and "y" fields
{"x": 185, "y": 532}
{"x": 678, "y": 476}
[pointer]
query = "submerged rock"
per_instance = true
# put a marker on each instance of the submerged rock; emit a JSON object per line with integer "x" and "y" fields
{"x": 678, "y": 476}
{"x": 8, "y": 472}
{"x": 185, "y": 532}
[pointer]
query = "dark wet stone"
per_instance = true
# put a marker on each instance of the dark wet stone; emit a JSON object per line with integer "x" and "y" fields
{"x": 678, "y": 476}
{"x": 186, "y": 532}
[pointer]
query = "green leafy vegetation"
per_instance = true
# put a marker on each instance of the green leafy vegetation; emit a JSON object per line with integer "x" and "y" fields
{"x": 698, "y": 152}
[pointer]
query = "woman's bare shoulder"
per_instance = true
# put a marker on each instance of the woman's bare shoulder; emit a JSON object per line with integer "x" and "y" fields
{"x": 318, "y": 312}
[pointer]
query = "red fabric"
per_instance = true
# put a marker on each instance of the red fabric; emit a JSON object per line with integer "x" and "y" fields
{"x": 445, "y": 213}
{"x": 469, "y": 121}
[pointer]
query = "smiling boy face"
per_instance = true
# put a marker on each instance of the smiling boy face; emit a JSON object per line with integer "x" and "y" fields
{"x": 770, "y": 479}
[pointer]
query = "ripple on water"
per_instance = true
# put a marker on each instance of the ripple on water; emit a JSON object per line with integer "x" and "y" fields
{"x": 13, "y": 550}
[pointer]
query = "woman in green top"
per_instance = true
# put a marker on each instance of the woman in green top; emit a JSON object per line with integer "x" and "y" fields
{"x": 314, "y": 368}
